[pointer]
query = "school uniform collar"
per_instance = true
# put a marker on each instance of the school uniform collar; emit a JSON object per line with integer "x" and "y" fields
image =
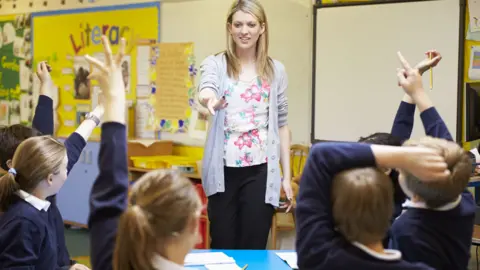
{"x": 422, "y": 205}
{"x": 161, "y": 263}
{"x": 34, "y": 201}
{"x": 388, "y": 255}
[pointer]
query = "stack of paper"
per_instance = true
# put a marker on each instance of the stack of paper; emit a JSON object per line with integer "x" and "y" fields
{"x": 290, "y": 258}
{"x": 143, "y": 65}
{"x": 207, "y": 258}
{"x": 224, "y": 266}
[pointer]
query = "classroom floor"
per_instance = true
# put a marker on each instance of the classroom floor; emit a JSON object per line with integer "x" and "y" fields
{"x": 79, "y": 246}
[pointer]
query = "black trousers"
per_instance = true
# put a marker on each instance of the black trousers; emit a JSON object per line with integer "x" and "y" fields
{"x": 239, "y": 217}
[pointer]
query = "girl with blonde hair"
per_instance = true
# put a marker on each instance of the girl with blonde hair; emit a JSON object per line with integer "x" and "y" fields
{"x": 245, "y": 91}
{"x": 29, "y": 222}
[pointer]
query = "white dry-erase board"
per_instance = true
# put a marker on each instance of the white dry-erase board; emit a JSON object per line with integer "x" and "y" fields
{"x": 356, "y": 90}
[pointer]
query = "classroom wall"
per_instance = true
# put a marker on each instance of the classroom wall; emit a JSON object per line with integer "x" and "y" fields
{"x": 203, "y": 22}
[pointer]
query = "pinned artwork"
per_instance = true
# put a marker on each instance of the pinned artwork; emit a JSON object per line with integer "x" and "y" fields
{"x": 172, "y": 94}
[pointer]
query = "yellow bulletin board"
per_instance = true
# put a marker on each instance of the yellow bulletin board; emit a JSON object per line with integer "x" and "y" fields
{"x": 63, "y": 38}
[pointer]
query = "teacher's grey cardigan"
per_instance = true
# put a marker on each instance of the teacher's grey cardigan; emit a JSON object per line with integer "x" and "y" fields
{"x": 213, "y": 75}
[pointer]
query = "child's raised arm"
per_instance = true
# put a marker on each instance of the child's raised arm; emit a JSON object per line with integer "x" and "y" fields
{"x": 109, "y": 194}
{"x": 411, "y": 81}
{"x": 314, "y": 218}
{"x": 43, "y": 117}
{"x": 403, "y": 122}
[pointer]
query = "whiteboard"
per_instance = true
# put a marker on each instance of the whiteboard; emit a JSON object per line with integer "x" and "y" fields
{"x": 356, "y": 92}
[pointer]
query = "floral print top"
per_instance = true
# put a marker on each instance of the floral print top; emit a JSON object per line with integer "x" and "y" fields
{"x": 246, "y": 122}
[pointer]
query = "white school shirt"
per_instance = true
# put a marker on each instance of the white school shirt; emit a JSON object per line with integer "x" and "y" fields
{"x": 34, "y": 201}
{"x": 161, "y": 263}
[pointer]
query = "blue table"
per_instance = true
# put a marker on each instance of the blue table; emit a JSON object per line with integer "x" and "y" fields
{"x": 256, "y": 259}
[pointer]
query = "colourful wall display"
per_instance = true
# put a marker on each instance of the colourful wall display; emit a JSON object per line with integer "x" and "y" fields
{"x": 174, "y": 80}
{"x": 16, "y": 97}
{"x": 63, "y": 38}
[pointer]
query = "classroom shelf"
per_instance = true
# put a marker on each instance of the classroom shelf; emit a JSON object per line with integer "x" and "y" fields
{"x": 142, "y": 170}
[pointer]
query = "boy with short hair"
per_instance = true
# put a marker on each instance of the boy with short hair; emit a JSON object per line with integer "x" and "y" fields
{"x": 344, "y": 205}
{"x": 402, "y": 129}
{"x": 437, "y": 226}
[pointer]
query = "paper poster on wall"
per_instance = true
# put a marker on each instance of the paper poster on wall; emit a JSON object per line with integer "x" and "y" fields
{"x": 198, "y": 125}
{"x": 126, "y": 72}
{"x": 143, "y": 65}
{"x": 81, "y": 82}
{"x": 80, "y": 34}
{"x": 14, "y": 112}
{"x": 174, "y": 86}
{"x": 15, "y": 73}
{"x": 475, "y": 36}
{"x": 82, "y": 110}
{"x": 25, "y": 110}
{"x": 474, "y": 12}
{"x": 474, "y": 67}
{"x": 4, "y": 112}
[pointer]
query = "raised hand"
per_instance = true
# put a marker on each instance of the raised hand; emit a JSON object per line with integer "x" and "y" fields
{"x": 43, "y": 72}
{"x": 431, "y": 60}
{"x": 109, "y": 73}
{"x": 109, "y": 76}
{"x": 409, "y": 78}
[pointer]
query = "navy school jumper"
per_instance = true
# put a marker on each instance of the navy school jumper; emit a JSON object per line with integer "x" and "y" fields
{"x": 319, "y": 246}
{"x": 43, "y": 245}
{"x": 108, "y": 199}
{"x": 440, "y": 239}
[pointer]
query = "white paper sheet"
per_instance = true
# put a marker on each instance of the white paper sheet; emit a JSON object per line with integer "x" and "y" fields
{"x": 290, "y": 258}
{"x": 225, "y": 266}
{"x": 474, "y": 67}
{"x": 474, "y": 12}
{"x": 144, "y": 91}
{"x": 143, "y": 65}
{"x": 204, "y": 258}
{"x": 24, "y": 74}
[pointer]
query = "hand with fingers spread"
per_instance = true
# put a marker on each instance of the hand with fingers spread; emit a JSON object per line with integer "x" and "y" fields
{"x": 213, "y": 104}
{"x": 409, "y": 78}
{"x": 109, "y": 77}
{"x": 431, "y": 60}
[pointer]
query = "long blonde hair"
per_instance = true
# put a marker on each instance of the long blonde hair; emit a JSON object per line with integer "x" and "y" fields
{"x": 264, "y": 63}
{"x": 162, "y": 204}
{"x": 34, "y": 159}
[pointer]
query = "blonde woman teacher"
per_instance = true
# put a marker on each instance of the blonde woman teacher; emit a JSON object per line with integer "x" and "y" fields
{"x": 245, "y": 91}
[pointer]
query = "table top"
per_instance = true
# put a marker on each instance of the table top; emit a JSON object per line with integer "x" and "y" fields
{"x": 256, "y": 259}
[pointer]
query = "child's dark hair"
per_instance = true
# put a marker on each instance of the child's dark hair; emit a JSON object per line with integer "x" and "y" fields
{"x": 381, "y": 138}
{"x": 10, "y": 138}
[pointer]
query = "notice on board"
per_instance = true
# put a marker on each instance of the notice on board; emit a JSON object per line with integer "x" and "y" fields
{"x": 172, "y": 74}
